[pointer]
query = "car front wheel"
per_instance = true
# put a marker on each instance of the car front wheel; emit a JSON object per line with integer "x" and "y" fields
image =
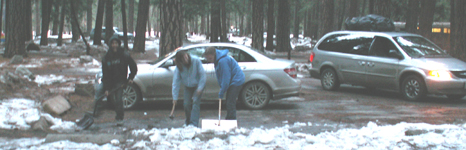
{"x": 413, "y": 88}
{"x": 329, "y": 80}
{"x": 131, "y": 96}
{"x": 255, "y": 95}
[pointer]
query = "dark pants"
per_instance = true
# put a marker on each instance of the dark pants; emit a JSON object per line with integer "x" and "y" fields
{"x": 232, "y": 95}
{"x": 116, "y": 96}
{"x": 192, "y": 106}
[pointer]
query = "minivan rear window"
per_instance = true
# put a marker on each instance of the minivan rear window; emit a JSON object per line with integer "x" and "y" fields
{"x": 347, "y": 43}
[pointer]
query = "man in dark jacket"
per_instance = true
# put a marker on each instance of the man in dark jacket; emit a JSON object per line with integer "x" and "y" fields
{"x": 115, "y": 74}
{"x": 230, "y": 77}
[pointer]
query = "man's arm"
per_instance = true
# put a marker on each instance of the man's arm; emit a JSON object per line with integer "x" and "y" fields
{"x": 132, "y": 67}
{"x": 226, "y": 77}
{"x": 176, "y": 84}
{"x": 202, "y": 78}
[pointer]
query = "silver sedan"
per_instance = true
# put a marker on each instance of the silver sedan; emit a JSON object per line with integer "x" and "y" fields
{"x": 265, "y": 78}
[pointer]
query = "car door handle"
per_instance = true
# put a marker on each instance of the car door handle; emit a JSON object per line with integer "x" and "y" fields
{"x": 361, "y": 63}
{"x": 370, "y": 64}
{"x": 243, "y": 67}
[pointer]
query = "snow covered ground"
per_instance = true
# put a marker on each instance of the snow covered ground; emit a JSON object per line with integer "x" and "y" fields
{"x": 19, "y": 113}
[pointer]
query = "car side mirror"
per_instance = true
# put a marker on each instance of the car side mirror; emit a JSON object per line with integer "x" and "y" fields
{"x": 168, "y": 63}
{"x": 395, "y": 54}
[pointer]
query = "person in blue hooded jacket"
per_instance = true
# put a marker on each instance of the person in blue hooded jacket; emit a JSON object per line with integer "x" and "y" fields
{"x": 190, "y": 72}
{"x": 230, "y": 77}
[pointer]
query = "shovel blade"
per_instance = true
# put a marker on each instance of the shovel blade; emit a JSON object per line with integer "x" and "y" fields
{"x": 85, "y": 122}
{"x": 213, "y": 124}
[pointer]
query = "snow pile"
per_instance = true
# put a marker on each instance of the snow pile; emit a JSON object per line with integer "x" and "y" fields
{"x": 36, "y": 143}
{"x": 370, "y": 137}
{"x": 50, "y": 79}
{"x": 21, "y": 113}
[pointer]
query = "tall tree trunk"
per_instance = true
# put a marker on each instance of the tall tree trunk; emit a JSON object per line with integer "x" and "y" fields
{"x": 371, "y": 6}
{"x": 215, "y": 21}
{"x": 223, "y": 27}
{"x": 426, "y": 18}
{"x": 363, "y": 8}
{"x": 140, "y": 39}
{"x": 327, "y": 20}
{"x": 108, "y": 20}
{"x": 412, "y": 16}
{"x": 241, "y": 22}
{"x": 341, "y": 14}
{"x": 314, "y": 21}
{"x": 257, "y": 24}
{"x": 55, "y": 12}
{"x": 353, "y": 8}
{"x": 148, "y": 22}
{"x": 283, "y": 27}
{"x": 74, "y": 24}
{"x": 75, "y": 18}
{"x": 28, "y": 9}
{"x": 203, "y": 26}
{"x": 16, "y": 35}
{"x": 296, "y": 20}
{"x": 37, "y": 13}
{"x": 46, "y": 8}
{"x": 208, "y": 26}
{"x": 248, "y": 19}
{"x": 382, "y": 7}
{"x": 270, "y": 25}
{"x": 131, "y": 16}
{"x": 89, "y": 16}
{"x": 125, "y": 29}
{"x": 171, "y": 26}
{"x": 457, "y": 31}
{"x": 98, "y": 23}
{"x": 62, "y": 25}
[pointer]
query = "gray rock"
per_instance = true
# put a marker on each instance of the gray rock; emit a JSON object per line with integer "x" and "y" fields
{"x": 17, "y": 59}
{"x": 85, "y": 59}
{"x": 56, "y": 105}
{"x": 23, "y": 71}
{"x": 415, "y": 132}
{"x": 42, "y": 124}
{"x": 84, "y": 89}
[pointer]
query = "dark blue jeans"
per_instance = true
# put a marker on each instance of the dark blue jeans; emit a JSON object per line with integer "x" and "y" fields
{"x": 232, "y": 95}
{"x": 116, "y": 96}
{"x": 192, "y": 106}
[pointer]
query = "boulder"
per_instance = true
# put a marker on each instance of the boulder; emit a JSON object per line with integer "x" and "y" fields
{"x": 41, "y": 124}
{"x": 17, "y": 59}
{"x": 56, "y": 105}
{"x": 23, "y": 71}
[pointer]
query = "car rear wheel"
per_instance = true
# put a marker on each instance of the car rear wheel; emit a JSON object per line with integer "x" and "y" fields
{"x": 455, "y": 96}
{"x": 131, "y": 96}
{"x": 329, "y": 80}
{"x": 255, "y": 95}
{"x": 413, "y": 88}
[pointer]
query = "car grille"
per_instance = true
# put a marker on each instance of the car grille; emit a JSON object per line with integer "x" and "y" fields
{"x": 459, "y": 74}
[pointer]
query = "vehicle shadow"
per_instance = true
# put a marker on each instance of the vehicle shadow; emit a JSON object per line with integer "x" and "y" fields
{"x": 211, "y": 105}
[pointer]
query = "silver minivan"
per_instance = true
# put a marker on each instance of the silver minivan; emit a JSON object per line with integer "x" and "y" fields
{"x": 397, "y": 61}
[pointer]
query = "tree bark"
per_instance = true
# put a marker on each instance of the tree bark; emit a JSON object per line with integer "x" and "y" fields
{"x": 140, "y": 39}
{"x": 28, "y": 9}
{"x": 46, "y": 8}
{"x": 458, "y": 32}
{"x": 223, "y": 27}
{"x": 75, "y": 18}
{"x": 371, "y": 6}
{"x": 16, "y": 35}
{"x": 108, "y": 20}
{"x": 98, "y": 23}
{"x": 125, "y": 29}
{"x": 412, "y": 16}
{"x": 327, "y": 17}
{"x": 131, "y": 16}
{"x": 353, "y": 8}
{"x": 203, "y": 24}
{"x": 296, "y": 20}
{"x": 270, "y": 25}
{"x": 148, "y": 22}
{"x": 171, "y": 26}
{"x": 55, "y": 13}
{"x": 258, "y": 24}
{"x": 89, "y": 16}
{"x": 427, "y": 18}
{"x": 283, "y": 27}
{"x": 382, "y": 7}
{"x": 314, "y": 23}
{"x": 74, "y": 23}
{"x": 62, "y": 25}
{"x": 215, "y": 21}
{"x": 37, "y": 13}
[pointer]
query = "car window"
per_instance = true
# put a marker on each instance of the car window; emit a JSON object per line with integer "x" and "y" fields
{"x": 239, "y": 55}
{"x": 416, "y": 46}
{"x": 198, "y": 52}
{"x": 347, "y": 43}
{"x": 381, "y": 47}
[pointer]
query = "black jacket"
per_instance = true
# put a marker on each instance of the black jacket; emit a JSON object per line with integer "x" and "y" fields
{"x": 115, "y": 68}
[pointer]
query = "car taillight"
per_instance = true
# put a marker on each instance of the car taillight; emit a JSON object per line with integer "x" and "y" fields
{"x": 311, "y": 57}
{"x": 291, "y": 72}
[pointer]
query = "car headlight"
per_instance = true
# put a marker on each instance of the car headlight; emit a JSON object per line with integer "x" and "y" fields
{"x": 440, "y": 74}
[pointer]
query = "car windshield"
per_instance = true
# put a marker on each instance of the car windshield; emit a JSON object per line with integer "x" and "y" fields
{"x": 417, "y": 47}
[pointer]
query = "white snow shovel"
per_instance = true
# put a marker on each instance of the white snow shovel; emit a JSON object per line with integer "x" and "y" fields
{"x": 219, "y": 125}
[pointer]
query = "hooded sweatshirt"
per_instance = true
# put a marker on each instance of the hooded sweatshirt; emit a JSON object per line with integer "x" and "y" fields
{"x": 194, "y": 76}
{"x": 115, "y": 67}
{"x": 228, "y": 72}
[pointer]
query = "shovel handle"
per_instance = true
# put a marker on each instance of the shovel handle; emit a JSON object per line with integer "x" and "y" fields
{"x": 219, "y": 110}
{"x": 173, "y": 108}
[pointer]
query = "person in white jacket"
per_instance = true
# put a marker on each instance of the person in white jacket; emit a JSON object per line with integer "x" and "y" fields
{"x": 190, "y": 72}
